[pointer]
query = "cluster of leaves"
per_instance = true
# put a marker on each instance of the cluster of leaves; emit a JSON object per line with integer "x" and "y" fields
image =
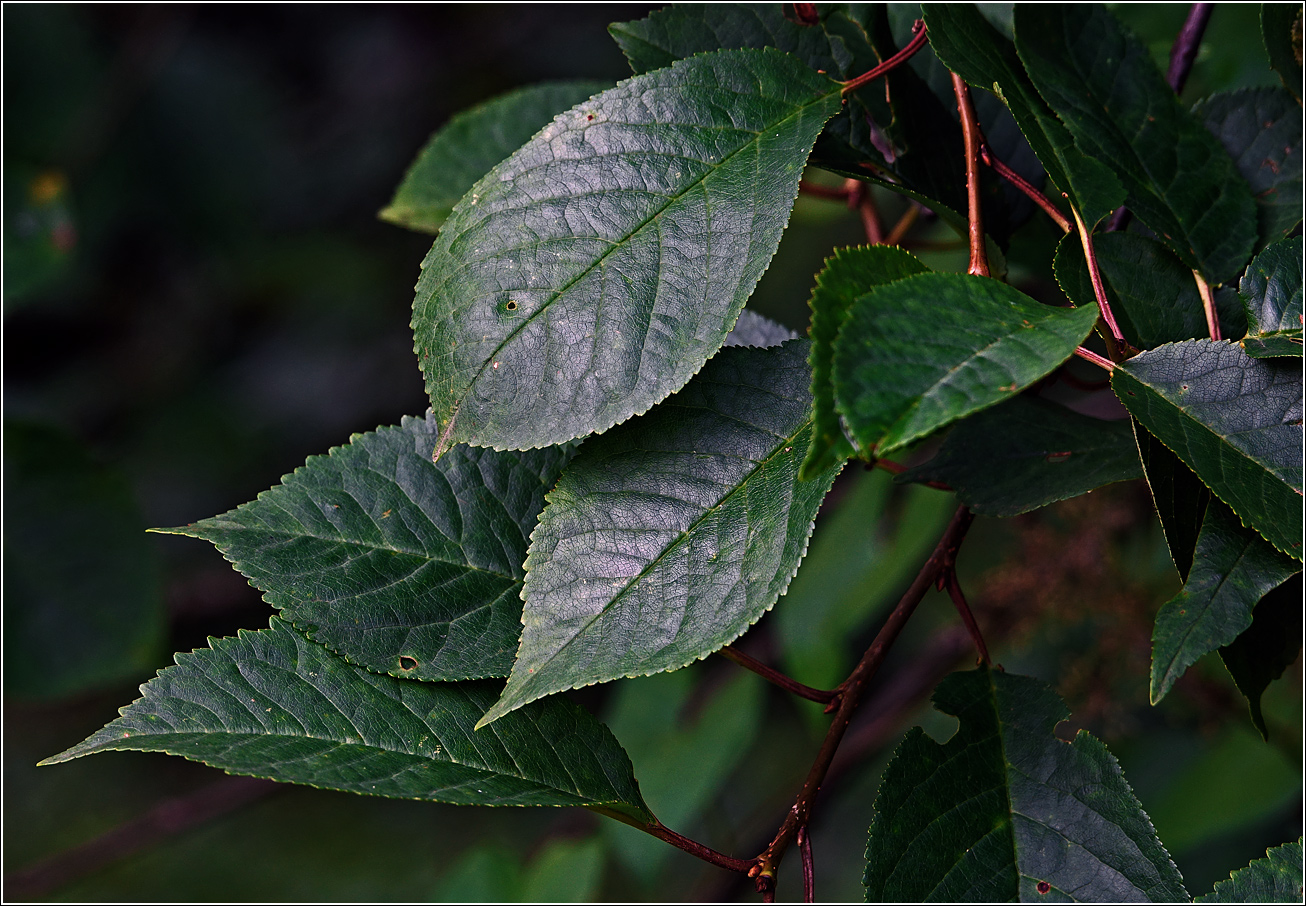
{"x": 595, "y": 249}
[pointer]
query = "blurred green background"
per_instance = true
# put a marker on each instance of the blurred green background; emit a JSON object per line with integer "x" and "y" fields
{"x": 198, "y": 295}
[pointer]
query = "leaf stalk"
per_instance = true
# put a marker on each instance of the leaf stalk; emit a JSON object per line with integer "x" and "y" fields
{"x": 919, "y": 37}
{"x": 979, "y": 259}
{"x": 1099, "y": 289}
{"x": 771, "y": 675}
{"x": 1034, "y": 195}
{"x": 1208, "y": 306}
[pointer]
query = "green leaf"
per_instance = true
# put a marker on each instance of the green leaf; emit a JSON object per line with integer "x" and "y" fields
{"x": 1232, "y": 419}
{"x": 926, "y": 350}
{"x": 1271, "y": 294}
{"x": 1281, "y": 30}
{"x": 1005, "y": 810}
{"x": 753, "y": 329}
{"x": 847, "y": 274}
{"x": 1261, "y": 129}
{"x": 1179, "y": 496}
{"x": 667, "y": 538}
{"x": 1152, "y": 294}
{"x": 1275, "y": 879}
{"x": 466, "y": 147}
{"x": 1233, "y": 568}
{"x": 399, "y": 564}
{"x": 274, "y": 704}
{"x": 83, "y": 591}
{"x": 1029, "y": 452}
{"x": 592, "y": 273}
{"x": 1260, "y": 655}
{"x": 1102, "y": 83}
{"x": 971, "y": 47}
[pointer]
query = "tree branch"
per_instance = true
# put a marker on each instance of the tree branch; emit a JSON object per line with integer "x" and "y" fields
{"x": 919, "y": 37}
{"x": 850, "y": 694}
{"x": 1186, "y": 45}
{"x": 1089, "y": 355}
{"x": 979, "y": 259}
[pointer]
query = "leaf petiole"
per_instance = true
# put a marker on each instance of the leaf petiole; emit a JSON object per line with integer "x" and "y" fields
{"x": 919, "y": 37}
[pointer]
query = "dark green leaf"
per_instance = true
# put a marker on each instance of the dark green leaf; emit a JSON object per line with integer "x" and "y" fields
{"x": 667, "y": 538}
{"x": 1179, "y": 496}
{"x": 1029, "y": 452}
{"x": 1261, "y": 130}
{"x": 592, "y": 273}
{"x": 1152, "y": 294}
{"x": 400, "y": 564}
{"x": 926, "y": 350}
{"x": 1271, "y": 294}
{"x": 1275, "y": 879}
{"x": 975, "y": 50}
{"x": 753, "y": 329}
{"x": 83, "y": 593}
{"x": 1005, "y": 810}
{"x": 274, "y": 704}
{"x": 847, "y": 274}
{"x": 466, "y": 147}
{"x": 1281, "y": 29}
{"x": 1103, "y": 84}
{"x": 1232, "y": 419}
{"x": 1233, "y": 568}
{"x": 1260, "y": 655}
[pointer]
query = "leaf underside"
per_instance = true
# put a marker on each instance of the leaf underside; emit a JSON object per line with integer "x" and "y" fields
{"x": 399, "y": 564}
{"x": 274, "y": 704}
{"x": 1232, "y": 419}
{"x": 1026, "y": 453}
{"x": 667, "y": 538}
{"x": 1005, "y": 810}
{"x": 591, "y": 274}
{"x": 923, "y": 351}
{"x": 1233, "y": 568}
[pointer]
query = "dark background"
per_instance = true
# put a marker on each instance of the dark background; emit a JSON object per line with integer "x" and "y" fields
{"x": 198, "y": 295}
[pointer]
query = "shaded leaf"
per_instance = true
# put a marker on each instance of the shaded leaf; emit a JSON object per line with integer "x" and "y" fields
{"x": 1103, "y": 85}
{"x": 926, "y": 350}
{"x": 1005, "y": 810}
{"x": 593, "y": 272}
{"x": 1261, "y": 129}
{"x": 1275, "y": 879}
{"x": 1029, "y": 452}
{"x": 1179, "y": 496}
{"x": 83, "y": 591}
{"x": 971, "y": 47}
{"x": 274, "y": 704}
{"x": 1281, "y": 30}
{"x": 1233, "y": 568}
{"x": 1260, "y": 655}
{"x": 667, "y": 538}
{"x": 472, "y": 142}
{"x": 400, "y": 564}
{"x": 847, "y": 274}
{"x": 1232, "y": 419}
{"x": 753, "y": 329}
{"x": 1271, "y": 294}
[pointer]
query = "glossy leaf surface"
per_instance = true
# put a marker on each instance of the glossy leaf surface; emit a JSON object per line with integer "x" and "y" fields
{"x": 1005, "y": 810}
{"x": 921, "y": 352}
{"x": 400, "y": 564}
{"x": 472, "y": 142}
{"x": 1275, "y": 879}
{"x": 1261, "y": 128}
{"x": 1232, "y": 419}
{"x": 274, "y": 704}
{"x": 667, "y": 538}
{"x": 1233, "y": 568}
{"x": 591, "y": 274}
{"x": 1029, "y": 452}
{"x": 847, "y": 274}
{"x": 1271, "y": 294}
{"x": 970, "y": 46}
{"x": 1102, "y": 83}
{"x": 1270, "y": 646}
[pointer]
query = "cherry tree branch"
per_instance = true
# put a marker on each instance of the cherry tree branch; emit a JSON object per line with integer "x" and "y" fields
{"x": 979, "y": 259}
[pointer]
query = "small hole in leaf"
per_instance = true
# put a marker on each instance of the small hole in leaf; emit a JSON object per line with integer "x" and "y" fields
{"x": 512, "y": 305}
{"x": 407, "y": 663}
{"x": 1044, "y": 886}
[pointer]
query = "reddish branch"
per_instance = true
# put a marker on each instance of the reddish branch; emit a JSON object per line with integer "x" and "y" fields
{"x": 894, "y": 468}
{"x": 1099, "y": 289}
{"x": 949, "y": 580}
{"x": 772, "y": 675}
{"x": 970, "y": 130}
{"x": 919, "y": 37}
{"x": 1011, "y": 176}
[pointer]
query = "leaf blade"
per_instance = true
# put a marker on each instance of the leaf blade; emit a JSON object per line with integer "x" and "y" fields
{"x": 1275, "y": 879}
{"x": 650, "y": 212}
{"x": 399, "y": 564}
{"x": 273, "y": 704}
{"x": 668, "y": 537}
{"x": 1271, "y": 294}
